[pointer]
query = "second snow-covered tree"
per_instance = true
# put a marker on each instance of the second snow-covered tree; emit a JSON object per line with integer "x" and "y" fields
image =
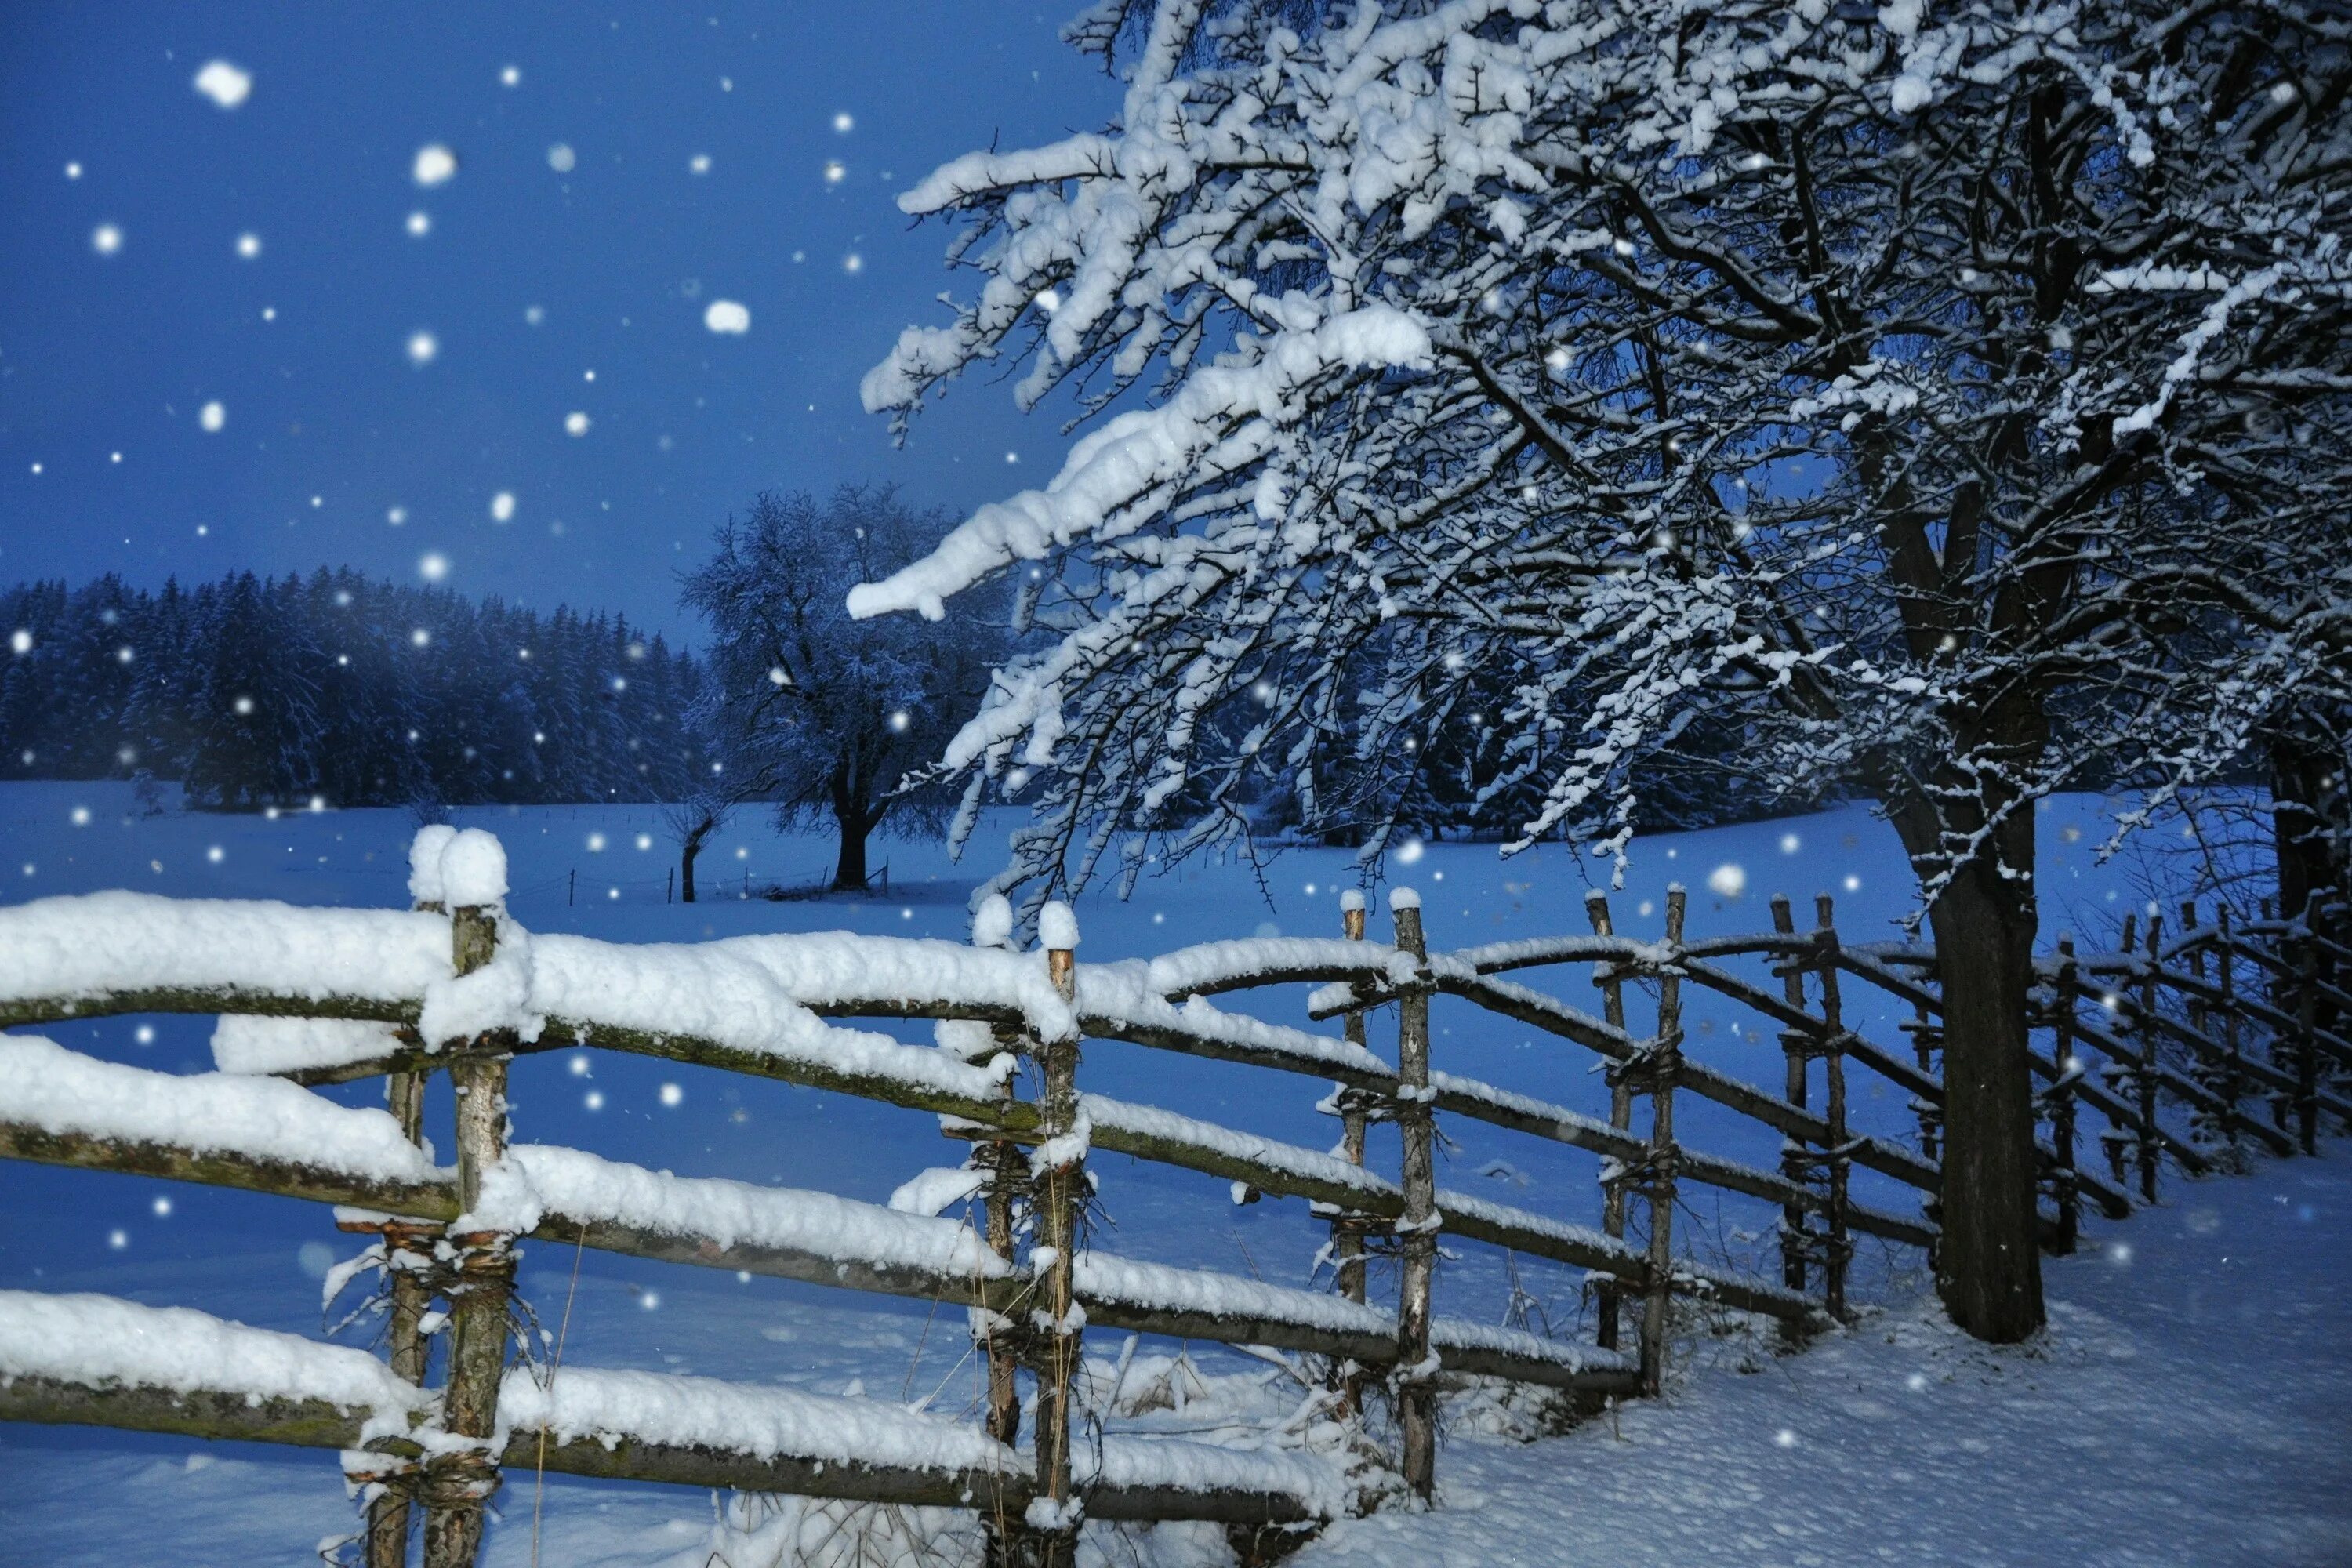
{"x": 1948, "y": 401}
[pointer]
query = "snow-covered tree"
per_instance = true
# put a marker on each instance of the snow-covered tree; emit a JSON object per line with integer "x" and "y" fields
{"x": 1946, "y": 399}
{"x": 825, "y": 715}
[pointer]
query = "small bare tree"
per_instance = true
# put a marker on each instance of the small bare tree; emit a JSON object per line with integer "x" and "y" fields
{"x": 692, "y": 823}
{"x": 825, "y": 715}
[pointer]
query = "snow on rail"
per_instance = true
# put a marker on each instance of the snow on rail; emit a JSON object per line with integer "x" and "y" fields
{"x": 256, "y": 1045}
{"x": 105, "y": 1341}
{"x": 104, "y": 1344}
{"x": 613, "y": 1408}
{"x": 97, "y": 943}
{"x": 1158, "y": 1287}
{"x": 536, "y": 1181}
{"x": 742, "y": 994}
{"x": 1319, "y": 1484}
{"x": 1209, "y": 967}
{"x": 44, "y": 1084}
{"x": 1458, "y": 1334}
{"x": 1484, "y": 1213}
{"x": 1114, "y": 997}
{"x": 1148, "y": 1123}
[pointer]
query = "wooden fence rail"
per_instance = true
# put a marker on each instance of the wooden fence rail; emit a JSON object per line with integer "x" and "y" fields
{"x": 763, "y": 1006}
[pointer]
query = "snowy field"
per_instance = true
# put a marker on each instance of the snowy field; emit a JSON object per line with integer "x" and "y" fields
{"x": 2192, "y": 1383}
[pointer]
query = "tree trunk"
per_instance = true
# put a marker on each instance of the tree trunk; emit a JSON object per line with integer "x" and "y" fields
{"x": 686, "y": 858}
{"x": 1989, "y": 1265}
{"x": 849, "y": 871}
{"x": 2301, "y": 802}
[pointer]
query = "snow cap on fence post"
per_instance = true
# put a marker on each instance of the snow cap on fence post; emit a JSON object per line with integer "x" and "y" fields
{"x": 1351, "y": 917}
{"x": 1403, "y": 899}
{"x": 424, "y": 864}
{"x": 473, "y": 869}
{"x": 991, "y": 923}
{"x": 1057, "y": 927}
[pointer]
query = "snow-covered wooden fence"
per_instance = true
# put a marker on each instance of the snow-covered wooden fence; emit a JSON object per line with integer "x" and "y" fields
{"x": 309, "y": 996}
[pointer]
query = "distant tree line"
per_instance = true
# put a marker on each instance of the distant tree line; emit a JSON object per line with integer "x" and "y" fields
{"x": 254, "y": 691}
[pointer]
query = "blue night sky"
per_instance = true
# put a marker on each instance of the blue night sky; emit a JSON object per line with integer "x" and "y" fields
{"x": 543, "y": 293}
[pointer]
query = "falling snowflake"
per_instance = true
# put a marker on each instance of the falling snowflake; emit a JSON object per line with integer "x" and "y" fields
{"x": 1727, "y": 881}
{"x": 435, "y": 165}
{"x": 726, "y": 316}
{"x": 562, "y": 158}
{"x": 212, "y": 416}
{"x": 223, "y": 83}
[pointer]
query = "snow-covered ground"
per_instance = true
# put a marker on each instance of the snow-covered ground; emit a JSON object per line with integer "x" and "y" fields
{"x": 2202, "y": 1366}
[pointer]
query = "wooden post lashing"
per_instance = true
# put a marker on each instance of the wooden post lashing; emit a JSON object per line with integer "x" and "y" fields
{"x": 1658, "y": 1067}
{"x": 1839, "y": 1245}
{"x": 2149, "y": 1150}
{"x": 1796, "y": 1048}
{"x": 1059, "y": 1196}
{"x": 1417, "y": 1230}
{"x": 459, "y": 1480}
{"x": 1612, "y": 985}
{"x": 2064, "y": 1192}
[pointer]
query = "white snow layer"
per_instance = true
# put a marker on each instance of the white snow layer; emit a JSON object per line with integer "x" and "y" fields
{"x": 96, "y": 943}
{"x": 611, "y": 1407}
{"x": 62, "y": 1091}
{"x": 106, "y": 1341}
{"x": 534, "y": 1181}
{"x": 424, "y": 862}
{"x": 258, "y": 1045}
{"x": 473, "y": 869}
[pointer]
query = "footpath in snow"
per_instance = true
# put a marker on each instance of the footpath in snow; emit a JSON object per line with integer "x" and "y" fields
{"x": 2191, "y": 1405}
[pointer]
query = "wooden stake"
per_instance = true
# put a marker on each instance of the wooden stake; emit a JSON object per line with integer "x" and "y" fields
{"x": 1658, "y": 1067}
{"x": 1795, "y": 1046}
{"x": 1347, "y": 1229}
{"x": 1417, "y": 1230}
{"x": 1839, "y": 1245}
{"x": 1621, "y": 1113}
{"x": 2063, "y": 1189}
{"x": 999, "y": 1335}
{"x": 2119, "y": 1078}
{"x": 459, "y": 1481}
{"x": 388, "y": 1515}
{"x": 2306, "y": 1025}
{"x": 1060, "y": 1196}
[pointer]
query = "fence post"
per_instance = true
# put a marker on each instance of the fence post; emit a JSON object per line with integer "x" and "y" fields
{"x": 2151, "y": 1152}
{"x": 1347, "y": 1229}
{"x": 407, "y": 1245}
{"x": 1059, "y": 1196}
{"x": 1839, "y": 1159}
{"x": 2063, "y": 1188}
{"x": 2215, "y": 1076}
{"x": 1796, "y": 1239}
{"x": 461, "y": 1479}
{"x": 2120, "y": 1076}
{"x": 2306, "y": 1029}
{"x": 1620, "y": 1116}
{"x": 1658, "y": 1066}
{"x": 1416, "y": 1389}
